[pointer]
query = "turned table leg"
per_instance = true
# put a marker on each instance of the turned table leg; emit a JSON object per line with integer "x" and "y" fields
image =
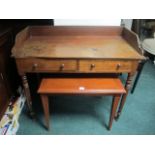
{"x": 127, "y": 87}
{"x": 27, "y": 94}
{"x": 139, "y": 70}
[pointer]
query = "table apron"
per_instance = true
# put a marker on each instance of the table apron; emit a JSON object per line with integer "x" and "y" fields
{"x": 35, "y": 65}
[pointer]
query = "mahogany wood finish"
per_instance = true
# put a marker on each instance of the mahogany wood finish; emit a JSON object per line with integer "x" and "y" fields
{"x": 101, "y": 86}
{"x": 103, "y": 44}
{"x": 132, "y": 38}
{"x": 81, "y": 86}
{"x": 106, "y": 66}
{"x": 46, "y": 65}
{"x": 82, "y": 49}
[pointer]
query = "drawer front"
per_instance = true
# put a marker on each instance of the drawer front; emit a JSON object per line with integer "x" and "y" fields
{"x": 108, "y": 66}
{"x": 45, "y": 65}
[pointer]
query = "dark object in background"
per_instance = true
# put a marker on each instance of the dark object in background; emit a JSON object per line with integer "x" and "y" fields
{"x": 9, "y": 79}
{"x": 25, "y": 22}
{"x": 144, "y": 27}
{"x": 8, "y": 73}
{"x": 18, "y": 24}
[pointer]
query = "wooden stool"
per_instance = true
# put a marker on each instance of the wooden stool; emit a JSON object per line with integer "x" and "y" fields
{"x": 81, "y": 86}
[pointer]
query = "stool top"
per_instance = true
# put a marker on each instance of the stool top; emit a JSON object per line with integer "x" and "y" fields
{"x": 81, "y": 86}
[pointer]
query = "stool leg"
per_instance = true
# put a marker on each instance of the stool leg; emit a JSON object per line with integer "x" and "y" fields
{"x": 124, "y": 96}
{"x": 115, "y": 103}
{"x": 44, "y": 99}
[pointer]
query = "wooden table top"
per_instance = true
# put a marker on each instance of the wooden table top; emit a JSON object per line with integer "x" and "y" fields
{"x": 75, "y": 46}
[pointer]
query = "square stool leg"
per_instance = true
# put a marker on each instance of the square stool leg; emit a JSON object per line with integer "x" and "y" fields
{"x": 114, "y": 106}
{"x": 45, "y": 103}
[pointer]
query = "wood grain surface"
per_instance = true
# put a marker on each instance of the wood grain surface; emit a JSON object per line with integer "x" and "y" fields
{"x": 100, "y": 42}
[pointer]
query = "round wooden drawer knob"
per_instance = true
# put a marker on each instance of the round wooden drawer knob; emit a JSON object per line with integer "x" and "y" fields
{"x": 35, "y": 66}
{"x": 62, "y": 66}
{"x": 118, "y": 66}
{"x": 92, "y": 66}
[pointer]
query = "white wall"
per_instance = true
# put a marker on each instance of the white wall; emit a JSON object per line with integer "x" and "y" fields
{"x": 87, "y": 22}
{"x": 127, "y": 23}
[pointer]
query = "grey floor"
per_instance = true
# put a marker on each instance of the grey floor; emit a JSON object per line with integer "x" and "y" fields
{"x": 87, "y": 115}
